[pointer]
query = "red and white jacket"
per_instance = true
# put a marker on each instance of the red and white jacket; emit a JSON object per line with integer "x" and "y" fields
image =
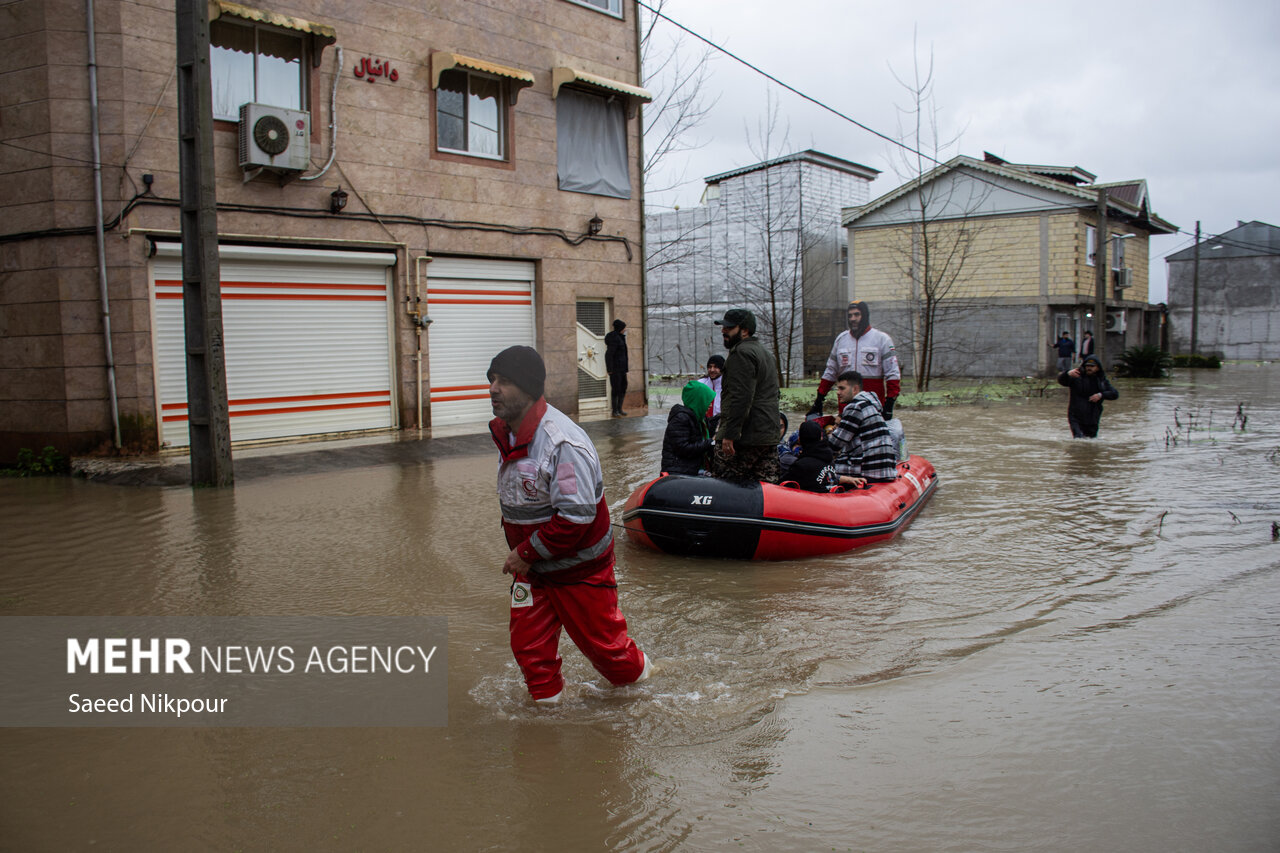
{"x": 551, "y": 491}
{"x": 872, "y": 355}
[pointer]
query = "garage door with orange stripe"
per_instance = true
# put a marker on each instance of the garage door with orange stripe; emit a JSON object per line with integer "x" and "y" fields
{"x": 478, "y": 307}
{"x": 307, "y": 341}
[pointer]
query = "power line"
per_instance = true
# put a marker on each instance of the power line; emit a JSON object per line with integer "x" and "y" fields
{"x": 850, "y": 119}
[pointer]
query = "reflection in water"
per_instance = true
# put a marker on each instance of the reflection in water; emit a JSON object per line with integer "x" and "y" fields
{"x": 1071, "y": 647}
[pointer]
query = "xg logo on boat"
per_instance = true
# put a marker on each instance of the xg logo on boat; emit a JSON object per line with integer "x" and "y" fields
{"x": 701, "y": 500}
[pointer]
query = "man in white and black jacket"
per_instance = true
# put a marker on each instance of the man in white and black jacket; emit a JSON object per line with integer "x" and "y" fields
{"x": 868, "y": 351}
{"x": 551, "y": 492}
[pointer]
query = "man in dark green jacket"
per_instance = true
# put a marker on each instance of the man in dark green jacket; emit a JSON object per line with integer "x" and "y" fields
{"x": 748, "y": 434}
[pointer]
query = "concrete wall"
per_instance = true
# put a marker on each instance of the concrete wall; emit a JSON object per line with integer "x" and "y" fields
{"x": 1239, "y": 307}
{"x": 53, "y": 375}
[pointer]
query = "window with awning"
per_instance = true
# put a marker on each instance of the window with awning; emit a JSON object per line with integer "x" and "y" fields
{"x": 591, "y": 131}
{"x": 261, "y": 57}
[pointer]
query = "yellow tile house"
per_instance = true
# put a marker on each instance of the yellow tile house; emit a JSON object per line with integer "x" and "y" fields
{"x": 975, "y": 268}
{"x": 403, "y": 189}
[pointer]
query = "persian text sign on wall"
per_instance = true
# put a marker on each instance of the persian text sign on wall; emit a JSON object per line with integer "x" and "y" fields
{"x": 371, "y": 69}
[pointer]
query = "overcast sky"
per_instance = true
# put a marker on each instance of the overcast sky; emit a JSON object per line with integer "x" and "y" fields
{"x": 1185, "y": 95}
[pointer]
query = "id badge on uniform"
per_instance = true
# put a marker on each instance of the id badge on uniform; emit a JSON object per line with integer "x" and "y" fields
{"x": 521, "y": 594}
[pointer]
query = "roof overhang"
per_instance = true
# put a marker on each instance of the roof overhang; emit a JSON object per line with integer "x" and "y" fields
{"x": 442, "y": 62}
{"x": 561, "y": 75}
{"x": 322, "y": 35}
{"x": 1087, "y": 195}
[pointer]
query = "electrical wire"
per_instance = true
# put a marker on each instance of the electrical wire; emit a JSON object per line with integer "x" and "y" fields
{"x": 145, "y": 200}
{"x": 906, "y": 147}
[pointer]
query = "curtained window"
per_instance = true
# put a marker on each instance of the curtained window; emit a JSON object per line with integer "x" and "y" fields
{"x": 591, "y": 144}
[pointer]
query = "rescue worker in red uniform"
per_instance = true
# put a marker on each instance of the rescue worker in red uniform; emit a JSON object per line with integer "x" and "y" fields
{"x": 551, "y": 491}
{"x": 868, "y": 351}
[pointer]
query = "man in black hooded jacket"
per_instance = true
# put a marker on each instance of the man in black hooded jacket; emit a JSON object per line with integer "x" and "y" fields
{"x": 1089, "y": 387}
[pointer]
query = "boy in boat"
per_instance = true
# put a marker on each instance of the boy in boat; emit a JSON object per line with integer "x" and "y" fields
{"x": 812, "y": 470}
{"x": 862, "y": 442}
{"x": 686, "y": 445}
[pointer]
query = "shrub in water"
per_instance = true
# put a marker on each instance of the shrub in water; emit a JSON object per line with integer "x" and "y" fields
{"x": 1145, "y": 362}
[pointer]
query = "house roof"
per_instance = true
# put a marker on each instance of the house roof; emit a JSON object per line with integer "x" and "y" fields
{"x": 1247, "y": 240}
{"x": 807, "y": 156}
{"x": 1126, "y": 198}
{"x": 1067, "y": 174}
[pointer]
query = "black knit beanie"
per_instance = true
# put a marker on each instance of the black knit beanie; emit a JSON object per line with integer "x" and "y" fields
{"x": 523, "y": 366}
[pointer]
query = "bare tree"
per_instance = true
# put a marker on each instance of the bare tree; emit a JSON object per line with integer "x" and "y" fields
{"x": 767, "y": 247}
{"x": 678, "y": 78}
{"x": 945, "y": 243}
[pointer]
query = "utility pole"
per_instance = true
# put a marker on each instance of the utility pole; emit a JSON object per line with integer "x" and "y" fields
{"x": 1100, "y": 282}
{"x": 1195, "y": 292}
{"x": 208, "y": 417}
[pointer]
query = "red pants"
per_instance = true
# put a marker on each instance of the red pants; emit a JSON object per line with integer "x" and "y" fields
{"x": 590, "y": 615}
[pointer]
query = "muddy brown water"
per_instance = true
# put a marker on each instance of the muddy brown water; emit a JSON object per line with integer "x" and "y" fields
{"x": 1073, "y": 647}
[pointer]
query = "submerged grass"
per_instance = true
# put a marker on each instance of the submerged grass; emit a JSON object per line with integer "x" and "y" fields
{"x": 944, "y": 392}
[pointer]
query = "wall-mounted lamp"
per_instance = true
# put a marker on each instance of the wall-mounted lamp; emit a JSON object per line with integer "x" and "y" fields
{"x": 594, "y": 225}
{"x": 337, "y": 200}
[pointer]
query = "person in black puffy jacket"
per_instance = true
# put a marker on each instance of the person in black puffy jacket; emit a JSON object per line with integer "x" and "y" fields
{"x": 1089, "y": 387}
{"x": 688, "y": 438}
{"x": 813, "y": 470}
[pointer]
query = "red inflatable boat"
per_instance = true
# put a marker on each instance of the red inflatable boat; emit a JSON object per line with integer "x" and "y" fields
{"x": 706, "y": 517}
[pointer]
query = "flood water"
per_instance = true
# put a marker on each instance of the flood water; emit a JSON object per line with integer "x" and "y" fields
{"x": 1074, "y": 646}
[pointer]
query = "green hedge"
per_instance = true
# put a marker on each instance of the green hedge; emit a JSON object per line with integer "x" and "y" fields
{"x": 1197, "y": 361}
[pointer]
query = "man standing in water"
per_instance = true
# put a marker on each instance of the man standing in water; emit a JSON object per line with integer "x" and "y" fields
{"x": 615, "y": 364}
{"x": 551, "y": 492}
{"x": 748, "y": 432}
{"x": 1066, "y": 351}
{"x": 1089, "y": 387}
{"x": 868, "y": 351}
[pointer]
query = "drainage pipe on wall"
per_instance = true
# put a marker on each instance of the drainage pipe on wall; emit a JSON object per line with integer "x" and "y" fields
{"x": 100, "y": 233}
{"x": 333, "y": 117}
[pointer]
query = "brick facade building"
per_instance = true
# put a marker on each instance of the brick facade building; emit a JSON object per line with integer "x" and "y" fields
{"x": 411, "y": 189}
{"x": 1012, "y": 249}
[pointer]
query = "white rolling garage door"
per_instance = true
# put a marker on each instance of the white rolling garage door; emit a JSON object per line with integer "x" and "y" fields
{"x": 307, "y": 341}
{"x": 478, "y": 308}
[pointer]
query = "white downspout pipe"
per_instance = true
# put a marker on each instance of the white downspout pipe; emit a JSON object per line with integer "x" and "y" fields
{"x": 100, "y": 232}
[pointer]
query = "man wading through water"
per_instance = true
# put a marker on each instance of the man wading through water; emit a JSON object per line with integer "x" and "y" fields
{"x": 551, "y": 491}
{"x": 1089, "y": 387}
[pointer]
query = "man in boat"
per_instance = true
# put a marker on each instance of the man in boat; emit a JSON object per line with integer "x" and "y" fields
{"x": 748, "y": 432}
{"x": 862, "y": 442}
{"x": 551, "y": 493}
{"x": 868, "y": 351}
{"x": 1089, "y": 387}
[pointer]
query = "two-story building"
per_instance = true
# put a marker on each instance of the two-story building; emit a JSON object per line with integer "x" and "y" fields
{"x": 765, "y": 237}
{"x": 1228, "y": 290}
{"x": 977, "y": 266}
{"x": 402, "y": 191}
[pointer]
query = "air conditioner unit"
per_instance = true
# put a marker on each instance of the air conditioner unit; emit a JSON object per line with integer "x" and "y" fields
{"x": 274, "y": 138}
{"x": 1124, "y": 278}
{"x": 1115, "y": 321}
